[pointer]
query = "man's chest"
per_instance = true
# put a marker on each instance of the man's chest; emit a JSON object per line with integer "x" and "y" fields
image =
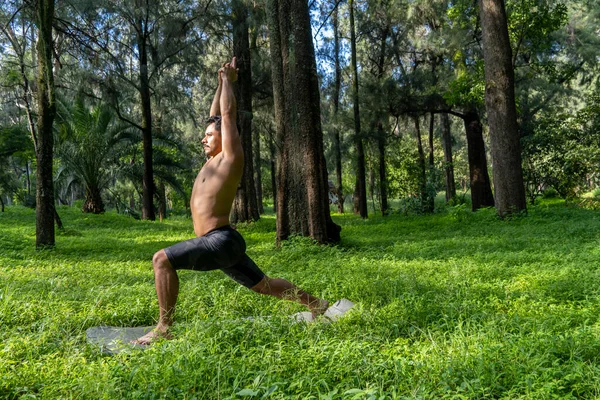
{"x": 209, "y": 174}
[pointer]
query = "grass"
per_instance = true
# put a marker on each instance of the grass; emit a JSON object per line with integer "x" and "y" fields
{"x": 455, "y": 305}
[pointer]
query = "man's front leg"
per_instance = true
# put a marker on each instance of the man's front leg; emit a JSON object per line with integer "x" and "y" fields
{"x": 167, "y": 289}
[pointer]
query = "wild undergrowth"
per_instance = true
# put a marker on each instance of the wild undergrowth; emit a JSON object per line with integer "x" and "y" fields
{"x": 452, "y": 305}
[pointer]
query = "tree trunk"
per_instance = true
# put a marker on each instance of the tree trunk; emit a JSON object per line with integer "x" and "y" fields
{"x": 244, "y": 208}
{"x": 45, "y": 208}
{"x": 93, "y": 201}
{"x": 448, "y": 165}
{"x": 148, "y": 179}
{"x": 502, "y": 113}
{"x": 431, "y": 128}
{"x": 337, "y": 150}
{"x": 481, "y": 190}
{"x": 2, "y": 202}
{"x": 372, "y": 188}
{"x": 258, "y": 174}
{"x": 57, "y": 219}
{"x": 360, "y": 190}
{"x": 422, "y": 168}
{"x": 161, "y": 193}
{"x": 302, "y": 185}
{"x": 28, "y": 177}
{"x": 382, "y": 170}
{"x": 430, "y": 187}
{"x": 381, "y": 135}
{"x": 272, "y": 163}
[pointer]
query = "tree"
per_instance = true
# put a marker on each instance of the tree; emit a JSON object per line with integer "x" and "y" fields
{"x": 89, "y": 141}
{"x": 481, "y": 189}
{"x": 501, "y": 109}
{"x": 133, "y": 44}
{"x": 360, "y": 192}
{"x": 335, "y": 98}
{"x": 44, "y": 145}
{"x": 465, "y": 92}
{"x": 302, "y": 185}
{"x": 245, "y": 208}
{"x": 422, "y": 167}
{"x": 448, "y": 165}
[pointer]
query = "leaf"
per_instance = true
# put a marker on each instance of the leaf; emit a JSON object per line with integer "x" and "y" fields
{"x": 270, "y": 391}
{"x": 354, "y": 391}
{"x": 247, "y": 392}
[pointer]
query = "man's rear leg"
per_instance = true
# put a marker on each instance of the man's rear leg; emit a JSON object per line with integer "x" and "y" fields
{"x": 284, "y": 289}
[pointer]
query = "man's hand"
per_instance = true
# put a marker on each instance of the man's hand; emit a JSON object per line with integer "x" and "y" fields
{"x": 229, "y": 71}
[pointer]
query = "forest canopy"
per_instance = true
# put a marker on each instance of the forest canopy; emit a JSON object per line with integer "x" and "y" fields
{"x": 398, "y": 112}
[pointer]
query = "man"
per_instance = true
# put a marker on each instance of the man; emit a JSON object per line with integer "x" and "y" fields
{"x": 217, "y": 245}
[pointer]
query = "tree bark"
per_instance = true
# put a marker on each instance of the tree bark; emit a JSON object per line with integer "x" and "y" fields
{"x": 161, "y": 194}
{"x": 381, "y": 142}
{"x": 45, "y": 209}
{"x": 245, "y": 208}
{"x": 273, "y": 166}
{"x": 93, "y": 201}
{"x": 337, "y": 145}
{"x": 502, "y": 113}
{"x": 431, "y": 128}
{"x": 57, "y": 219}
{"x": 28, "y": 177}
{"x": 361, "y": 190}
{"x": 372, "y": 188}
{"x": 481, "y": 190}
{"x": 258, "y": 174}
{"x": 422, "y": 167}
{"x": 430, "y": 202}
{"x": 381, "y": 135}
{"x": 448, "y": 163}
{"x": 144, "y": 90}
{"x": 302, "y": 185}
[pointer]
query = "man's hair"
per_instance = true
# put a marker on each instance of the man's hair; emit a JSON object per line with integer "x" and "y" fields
{"x": 216, "y": 119}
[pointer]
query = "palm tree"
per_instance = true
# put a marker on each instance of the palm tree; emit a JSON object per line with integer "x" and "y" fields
{"x": 89, "y": 139}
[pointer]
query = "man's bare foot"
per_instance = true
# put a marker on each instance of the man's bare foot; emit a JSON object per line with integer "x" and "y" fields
{"x": 318, "y": 307}
{"x": 152, "y": 336}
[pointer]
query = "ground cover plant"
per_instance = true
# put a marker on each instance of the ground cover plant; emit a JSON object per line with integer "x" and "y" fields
{"x": 451, "y": 305}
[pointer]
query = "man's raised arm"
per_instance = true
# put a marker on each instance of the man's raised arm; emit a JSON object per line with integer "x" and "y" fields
{"x": 232, "y": 145}
{"x": 215, "y": 108}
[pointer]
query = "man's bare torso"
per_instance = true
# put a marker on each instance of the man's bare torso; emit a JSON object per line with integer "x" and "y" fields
{"x": 213, "y": 193}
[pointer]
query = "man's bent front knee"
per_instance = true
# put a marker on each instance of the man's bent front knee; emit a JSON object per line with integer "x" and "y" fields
{"x": 160, "y": 260}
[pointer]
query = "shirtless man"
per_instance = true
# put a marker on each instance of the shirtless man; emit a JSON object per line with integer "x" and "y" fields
{"x": 217, "y": 245}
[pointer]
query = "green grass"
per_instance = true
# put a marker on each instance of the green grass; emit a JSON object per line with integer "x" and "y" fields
{"x": 454, "y": 305}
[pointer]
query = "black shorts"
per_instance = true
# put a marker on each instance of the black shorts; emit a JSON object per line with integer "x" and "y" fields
{"x": 223, "y": 248}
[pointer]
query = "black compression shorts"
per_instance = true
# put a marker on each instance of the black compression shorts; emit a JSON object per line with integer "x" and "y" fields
{"x": 223, "y": 248}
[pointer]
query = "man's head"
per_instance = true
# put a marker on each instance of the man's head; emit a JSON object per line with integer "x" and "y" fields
{"x": 212, "y": 136}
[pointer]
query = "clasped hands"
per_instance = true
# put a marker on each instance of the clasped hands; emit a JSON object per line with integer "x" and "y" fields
{"x": 229, "y": 71}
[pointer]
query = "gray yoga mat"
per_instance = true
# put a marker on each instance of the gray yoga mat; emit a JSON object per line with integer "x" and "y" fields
{"x": 113, "y": 340}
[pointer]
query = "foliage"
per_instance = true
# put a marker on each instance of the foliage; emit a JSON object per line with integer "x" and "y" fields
{"x": 564, "y": 152}
{"x": 90, "y": 139}
{"x": 14, "y": 143}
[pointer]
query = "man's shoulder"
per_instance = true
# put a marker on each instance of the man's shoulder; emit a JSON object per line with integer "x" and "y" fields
{"x": 235, "y": 157}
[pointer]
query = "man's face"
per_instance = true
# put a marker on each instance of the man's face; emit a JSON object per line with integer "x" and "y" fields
{"x": 212, "y": 141}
